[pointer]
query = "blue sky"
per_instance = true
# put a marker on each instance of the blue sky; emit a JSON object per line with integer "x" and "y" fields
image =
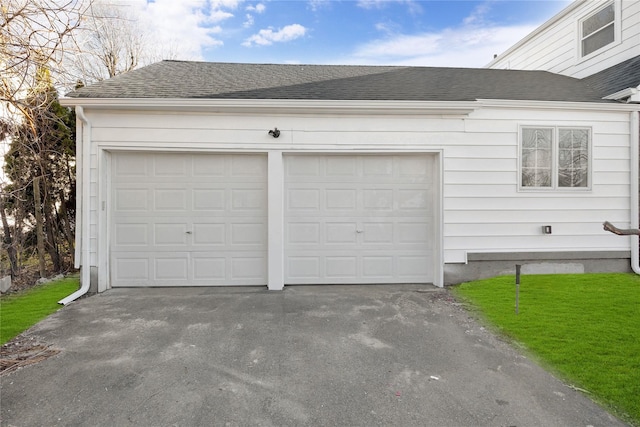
{"x": 369, "y": 32}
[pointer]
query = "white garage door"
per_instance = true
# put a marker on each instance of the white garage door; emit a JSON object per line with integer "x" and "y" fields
{"x": 359, "y": 219}
{"x": 188, "y": 219}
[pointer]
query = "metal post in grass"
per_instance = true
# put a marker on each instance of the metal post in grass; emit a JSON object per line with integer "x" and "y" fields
{"x": 517, "y": 287}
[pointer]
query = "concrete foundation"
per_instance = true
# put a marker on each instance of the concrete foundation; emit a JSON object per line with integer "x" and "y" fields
{"x": 93, "y": 280}
{"x": 485, "y": 265}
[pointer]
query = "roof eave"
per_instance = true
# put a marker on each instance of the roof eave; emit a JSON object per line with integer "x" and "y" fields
{"x": 629, "y": 95}
{"x": 557, "y": 105}
{"x": 275, "y": 106}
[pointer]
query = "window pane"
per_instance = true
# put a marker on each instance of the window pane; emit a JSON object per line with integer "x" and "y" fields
{"x": 598, "y": 40}
{"x": 597, "y": 21}
{"x": 536, "y": 157}
{"x": 573, "y": 157}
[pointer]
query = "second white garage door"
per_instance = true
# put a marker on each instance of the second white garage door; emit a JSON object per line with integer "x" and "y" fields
{"x": 359, "y": 219}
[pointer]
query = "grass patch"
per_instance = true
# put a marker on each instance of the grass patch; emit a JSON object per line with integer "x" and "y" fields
{"x": 585, "y": 328}
{"x": 19, "y": 312}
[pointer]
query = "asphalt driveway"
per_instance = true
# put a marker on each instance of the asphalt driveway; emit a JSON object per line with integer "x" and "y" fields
{"x": 306, "y": 356}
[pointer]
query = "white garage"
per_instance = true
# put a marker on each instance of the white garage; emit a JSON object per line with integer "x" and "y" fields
{"x": 192, "y": 173}
{"x": 359, "y": 219}
{"x": 188, "y": 219}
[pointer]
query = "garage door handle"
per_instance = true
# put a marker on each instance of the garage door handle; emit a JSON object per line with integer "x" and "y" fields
{"x": 358, "y": 231}
{"x": 188, "y": 232}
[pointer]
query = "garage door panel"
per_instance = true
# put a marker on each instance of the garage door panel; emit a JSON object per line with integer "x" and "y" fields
{"x": 205, "y": 234}
{"x": 377, "y": 267}
{"x": 209, "y": 268}
{"x": 342, "y": 266}
{"x": 412, "y": 266}
{"x": 188, "y": 219}
{"x": 340, "y": 199}
{"x": 303, "y": 233}
{"x": 414, "y": 232}
{"x": 248, "y": 267}
{"x": 252, "y": 166}
{"x": 131, "y": 269}
{"x": 378, "y": 233}
{"x": 208, "y": 199}
{"x": 303, "y": 199}
{"x": 170, "y": 199}
{"x": 377, "y": 199}
{"x": 359, "y": 218}
{"x": 414, "y": 199}
{"x": 248, "y": 199}
{"x": 131, "y": 235}
{"x": 133, "y": 164}
{"x": 208, "y": 166}
{"x": 173, "y": 234}
{"x": 378, "y": 167}
{"x": 341, "y": 166}
{"x": 171, "y": 266}
{"x": 132, "y": 199}
{"x": 248, "y": 234}
{"x": 172, "y": 166}
{"x": 303, "y": 267}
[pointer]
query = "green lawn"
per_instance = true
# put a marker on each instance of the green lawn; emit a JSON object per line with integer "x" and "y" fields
{"x": 19, "y": 312}
{"x": 585, "y": 328}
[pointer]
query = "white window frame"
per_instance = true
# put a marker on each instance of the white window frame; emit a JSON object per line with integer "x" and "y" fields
{"x": 617, "y": 30}
{"x": 554, "y": 187}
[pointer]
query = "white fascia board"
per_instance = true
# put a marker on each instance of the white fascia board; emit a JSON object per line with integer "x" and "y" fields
{"x": 261, "y": 106}
{"x": 559, "y": 16}
{"x": 556, "y": 105}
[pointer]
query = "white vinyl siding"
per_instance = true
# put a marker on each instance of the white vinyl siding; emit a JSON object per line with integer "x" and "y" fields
{"x": 481, "y": 206}
{"x": 557, "y": 46}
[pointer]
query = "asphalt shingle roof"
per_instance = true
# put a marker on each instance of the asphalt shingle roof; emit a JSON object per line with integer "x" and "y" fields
{"x": 183, "y": 79}
{"x": 614, "y": 79}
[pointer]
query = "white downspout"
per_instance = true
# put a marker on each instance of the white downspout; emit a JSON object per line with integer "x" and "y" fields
{"x": 635, "y": 187}
{"x": 83, "y": 176}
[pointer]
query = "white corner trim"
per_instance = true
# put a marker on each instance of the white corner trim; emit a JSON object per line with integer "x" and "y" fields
{"x": 275, "y": 215}
{"x": 634, "y": 141}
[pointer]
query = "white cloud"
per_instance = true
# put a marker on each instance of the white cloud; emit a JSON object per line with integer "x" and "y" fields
{"x": 461, "y": 47}
{"x": 413, "y": 5}
{"x": 186, "y": 26}
{"x": 268, "y": 36}
{"x": 259, "y": 8}
{"x": 477, "y": 17}
{"x": 471, "y": 44}
{"x": 249, "y": 21}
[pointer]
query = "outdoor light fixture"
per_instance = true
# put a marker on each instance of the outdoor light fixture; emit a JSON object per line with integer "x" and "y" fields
{"x": 274, "y": 133}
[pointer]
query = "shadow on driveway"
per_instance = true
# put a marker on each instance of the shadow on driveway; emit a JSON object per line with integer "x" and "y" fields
{"x": 403, "y": 355}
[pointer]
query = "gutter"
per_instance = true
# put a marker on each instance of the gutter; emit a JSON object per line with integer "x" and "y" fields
{"x": 634, "y": 140}
{"x": 82, "y": 202}
{"x": 628, "y": 95}
{"x": 278, "y": 106}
